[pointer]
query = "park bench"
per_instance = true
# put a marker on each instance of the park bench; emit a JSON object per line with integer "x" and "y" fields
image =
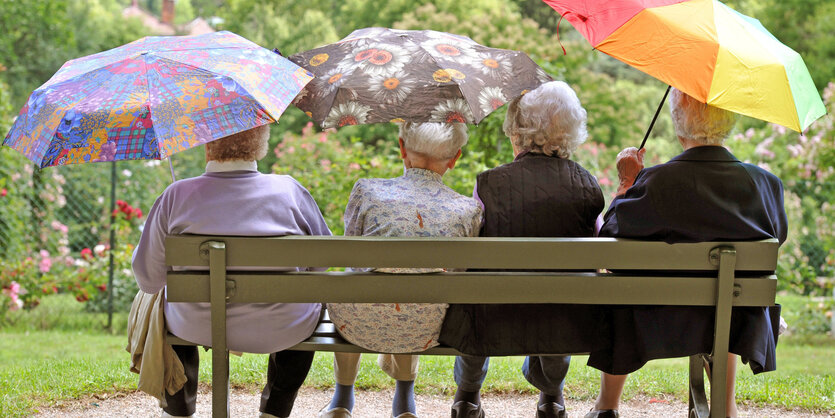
{"x": 669, "y": 281}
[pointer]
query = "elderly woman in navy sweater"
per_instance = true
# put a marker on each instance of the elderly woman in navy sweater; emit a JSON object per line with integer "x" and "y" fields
{"x": 541, "y": 193}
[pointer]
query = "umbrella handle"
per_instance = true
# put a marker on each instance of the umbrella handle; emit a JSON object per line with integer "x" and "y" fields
{"x": 171, "y": 166}
{"x": 651, "y": 124}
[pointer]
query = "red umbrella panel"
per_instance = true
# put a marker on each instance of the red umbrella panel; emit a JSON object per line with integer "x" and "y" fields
{"x": 386, "y": 75}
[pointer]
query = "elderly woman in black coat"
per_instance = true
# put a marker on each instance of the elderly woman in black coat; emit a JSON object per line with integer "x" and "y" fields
{"x": 703, "y": 194}
{"x": 541, "y": 193}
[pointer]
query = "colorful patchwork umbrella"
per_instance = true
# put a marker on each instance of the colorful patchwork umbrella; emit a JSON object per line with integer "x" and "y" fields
{"x": 704, "y": 49}
{"x": 154, "y": 97}
{"x": 387, "y": 75}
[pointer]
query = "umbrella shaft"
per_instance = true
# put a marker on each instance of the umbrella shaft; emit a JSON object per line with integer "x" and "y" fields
{"x": 657, "y": 111}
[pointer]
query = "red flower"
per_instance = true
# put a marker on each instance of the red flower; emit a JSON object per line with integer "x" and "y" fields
{"x": 121, "y": 203}
{"x": 138, "y": 213}
{"x": 87, "y": 254}
{"x": 3, "y": 192}
{"x": 102, "y": 287}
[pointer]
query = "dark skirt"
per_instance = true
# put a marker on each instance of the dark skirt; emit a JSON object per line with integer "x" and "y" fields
{"x": 620, "y": 339}
{"x": 643, "y": 333}
{"x": 517, "y": 329}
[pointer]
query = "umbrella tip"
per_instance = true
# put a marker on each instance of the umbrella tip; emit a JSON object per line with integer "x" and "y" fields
{"x": 277, "y": 52}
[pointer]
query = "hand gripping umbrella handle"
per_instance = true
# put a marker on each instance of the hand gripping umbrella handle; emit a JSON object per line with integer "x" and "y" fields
{"x": 651, "y": 124}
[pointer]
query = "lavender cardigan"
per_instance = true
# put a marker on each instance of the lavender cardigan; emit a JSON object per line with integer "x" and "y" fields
{"x": 231, "y": 198}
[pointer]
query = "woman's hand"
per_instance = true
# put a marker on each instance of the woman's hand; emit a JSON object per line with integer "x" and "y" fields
{"x": 630, "y": 162}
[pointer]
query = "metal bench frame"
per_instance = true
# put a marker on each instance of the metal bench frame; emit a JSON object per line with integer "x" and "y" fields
{"x": 222, "y": 283}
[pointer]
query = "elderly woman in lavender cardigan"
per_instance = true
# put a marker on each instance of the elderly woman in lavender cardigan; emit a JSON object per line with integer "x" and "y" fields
{"x": 233, "y": 198}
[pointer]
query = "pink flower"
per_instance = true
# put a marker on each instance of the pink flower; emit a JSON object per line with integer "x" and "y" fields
{"x": 12, "y": 291}
{"x": 307, "y": 128}
{"x": 45, "y": 265}
{"x": 87, "y": 254}
{"x": 58, "y": 226}
{"x": 3, "y": 192}
{"x": 353, "y": 166}
{"x": 604, "y": 181}
{"x": 324, "y": 137}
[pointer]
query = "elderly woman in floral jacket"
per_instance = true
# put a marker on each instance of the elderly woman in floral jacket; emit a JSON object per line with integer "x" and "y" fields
{"x": 416, "y": 204}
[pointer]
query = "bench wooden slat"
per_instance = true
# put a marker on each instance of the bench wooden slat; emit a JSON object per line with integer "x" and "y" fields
{"x": 459, "y": 253}
{"x": 470, "y": 287}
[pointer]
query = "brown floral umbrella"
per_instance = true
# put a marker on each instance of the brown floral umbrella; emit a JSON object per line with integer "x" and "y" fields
{"x": 388, "y": 75}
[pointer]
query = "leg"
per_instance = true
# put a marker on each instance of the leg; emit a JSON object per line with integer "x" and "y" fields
{"x": 730, "y": 384}
{"x": 184, "y": 402}
{"x": 345, "y": 369}
{"x": 611, "y": 387}
{"x": 469, "y": 373}
{"x": 286, "y": 372}
{"x": 730, "y": 394}
{"x": 402, "y": 368}
{"x": 547, "y": 373}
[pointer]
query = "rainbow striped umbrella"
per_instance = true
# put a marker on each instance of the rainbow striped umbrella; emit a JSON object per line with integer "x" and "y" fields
{"x": 705, "y": 49}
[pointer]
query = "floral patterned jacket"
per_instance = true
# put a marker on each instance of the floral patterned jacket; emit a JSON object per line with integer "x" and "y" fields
{"x": 417, "y": 204}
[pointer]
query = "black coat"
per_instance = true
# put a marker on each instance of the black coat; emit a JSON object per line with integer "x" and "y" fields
{"x": 703, "y": 194}
{"x": 533, "y": 196}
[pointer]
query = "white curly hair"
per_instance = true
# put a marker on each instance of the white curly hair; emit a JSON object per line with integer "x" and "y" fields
{"x": 700, "y": 122}
{"x": 439, "y": 141}
{"x": 547, "y": 120}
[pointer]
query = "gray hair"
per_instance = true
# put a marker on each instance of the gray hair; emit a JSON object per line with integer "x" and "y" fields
{"x": 438, "y": 141}
{"x": 249, "y": 145}
{"x": 700, "y": 122}
{"x": 548, "y": 120}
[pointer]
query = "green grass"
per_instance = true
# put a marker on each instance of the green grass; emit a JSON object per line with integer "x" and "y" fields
{"x": 58, "y": 352}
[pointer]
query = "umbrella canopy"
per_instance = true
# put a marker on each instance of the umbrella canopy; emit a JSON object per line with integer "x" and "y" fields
{"x": 386, "y": 75}
{"x": 154, "y": 97}
{"x": 705, "y": 49}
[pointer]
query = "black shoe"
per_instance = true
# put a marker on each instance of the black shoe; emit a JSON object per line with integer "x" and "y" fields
{"x": 464, "y": 409}
{"x": 551, "y": 410}
{"x": 603, "y": 413}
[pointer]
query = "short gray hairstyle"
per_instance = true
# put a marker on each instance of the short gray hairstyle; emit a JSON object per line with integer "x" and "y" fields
{"x": 439, "y": 141}
{"x": 548, "y": 120}
{"x": 700, "y": 122}
{"x": 249, "y": 145}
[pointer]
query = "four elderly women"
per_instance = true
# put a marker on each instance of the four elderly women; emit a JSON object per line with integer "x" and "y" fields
{"x": 704, "y": 194}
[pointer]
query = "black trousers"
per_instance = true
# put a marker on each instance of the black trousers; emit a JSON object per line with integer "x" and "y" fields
{"x": 286, "y": 371}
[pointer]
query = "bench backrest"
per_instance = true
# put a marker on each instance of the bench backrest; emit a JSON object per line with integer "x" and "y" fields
{"x": 662, "y": 266}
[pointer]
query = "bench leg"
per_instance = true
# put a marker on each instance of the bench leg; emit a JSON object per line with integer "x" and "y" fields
{"x": 220, "y": 383}
{"x": 721, "y": 337}
{"x": 698, "y": 399}
{"x": 220, "y": 355}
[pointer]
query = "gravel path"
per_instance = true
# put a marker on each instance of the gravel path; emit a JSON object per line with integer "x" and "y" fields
{"x": 244, "y": 403}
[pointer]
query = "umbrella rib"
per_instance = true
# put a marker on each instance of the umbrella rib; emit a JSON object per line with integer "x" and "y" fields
{"x": 457, "y": 85}
{"x": 249, "y": 94}
{"x": 148, "y": 101}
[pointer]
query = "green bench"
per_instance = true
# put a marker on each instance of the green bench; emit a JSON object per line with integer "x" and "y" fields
{"x": 221, "y": 283}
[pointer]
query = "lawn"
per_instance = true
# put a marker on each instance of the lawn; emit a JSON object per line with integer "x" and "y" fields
{"x": 45, "y": 357}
